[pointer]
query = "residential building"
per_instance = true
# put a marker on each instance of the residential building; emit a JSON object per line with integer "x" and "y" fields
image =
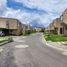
{"x": 10, "y": 26}
{"x": 58, "y": 28}
{"x": 26, "y": 29}
{"x": 55, "y": 27}
{"x": 64, "y": 22}
{"x": 50, "y": 29}
{"x": 38, "y": 29}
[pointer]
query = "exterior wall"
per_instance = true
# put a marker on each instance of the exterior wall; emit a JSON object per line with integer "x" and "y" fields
{"x": 24, "y": 29}
{"x": 57, "y": 26}
{"x": 64, "y": 16}
{"x": 60, "y": 30}
{"x": 38, "y": 29}
{"x": 3, "y": 23}
{"x": 19, "y": 30}
{"x": 50, "y": 29}
{"x": 65, "y": 30}
{"x": 64, "y": 22}
{"x": 57, "y": 23}
{"x": 14, "y": 32}
{"x": 13, "y": 24}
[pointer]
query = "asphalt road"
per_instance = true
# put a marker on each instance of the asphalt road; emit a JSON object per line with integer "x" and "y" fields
{"x": 30, "y": 51}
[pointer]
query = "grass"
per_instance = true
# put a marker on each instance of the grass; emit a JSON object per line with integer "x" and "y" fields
{"x": 55, "y": 38}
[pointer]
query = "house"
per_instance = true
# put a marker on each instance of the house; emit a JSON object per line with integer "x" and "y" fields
{"x": 10, "y": 26}
{"x": 43, "y": 29}
{"x": 55, "y": 27}
{"x": 26, "y": 29}
{"x": 38, "y": 29}
{"x": 58, "y": 28}
{"x": 64, "y": 22}
{"x": 50, "y": 29}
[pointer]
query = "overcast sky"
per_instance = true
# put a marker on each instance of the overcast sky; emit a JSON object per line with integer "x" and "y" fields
{"x": 38, "y": 13}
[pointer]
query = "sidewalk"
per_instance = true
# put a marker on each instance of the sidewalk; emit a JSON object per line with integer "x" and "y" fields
{"x": 56, "y": 45}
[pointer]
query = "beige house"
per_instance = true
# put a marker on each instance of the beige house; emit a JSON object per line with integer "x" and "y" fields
{"x": 50, "y": 29}
{"x": 38, "y": 29}
{"x": 55, "y": 27}
{"x": 59, "y": 25}
{"x": 58, "y": 28}
{"x": 26, "y": 29}
{"x": 64, "y": 22}
{"x": 10, "y": 26}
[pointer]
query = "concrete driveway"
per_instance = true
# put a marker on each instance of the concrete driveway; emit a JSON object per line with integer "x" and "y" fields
{"x": 30, "y": 51}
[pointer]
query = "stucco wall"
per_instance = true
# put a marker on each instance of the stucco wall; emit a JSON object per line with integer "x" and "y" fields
{"x": 12, "y": 24}
{"x": 65, "y": 31}
{"x": 64, "y": 16}
{"x": 3, "y": 23}
{"x": 57, "y": 22}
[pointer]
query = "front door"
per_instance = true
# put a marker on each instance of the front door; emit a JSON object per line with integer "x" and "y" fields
{"x": 61, "y": 31}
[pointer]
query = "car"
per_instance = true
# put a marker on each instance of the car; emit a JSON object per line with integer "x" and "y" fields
{"x": 2, "y": 33}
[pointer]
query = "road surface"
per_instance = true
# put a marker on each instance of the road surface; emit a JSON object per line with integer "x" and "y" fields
{"x": 30, "y": 51}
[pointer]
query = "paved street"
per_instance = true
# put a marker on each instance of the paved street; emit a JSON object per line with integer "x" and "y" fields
{"x": 30, "y": 51}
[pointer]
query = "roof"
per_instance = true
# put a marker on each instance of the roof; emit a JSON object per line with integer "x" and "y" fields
{"x": 10, "y": 19}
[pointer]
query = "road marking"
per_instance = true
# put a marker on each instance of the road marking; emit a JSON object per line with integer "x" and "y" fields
{"x": 1, "y": 50}
{"x": 21, "y": 46}
{"x": 64, "y": 53}
{"x": 23, "y": 37}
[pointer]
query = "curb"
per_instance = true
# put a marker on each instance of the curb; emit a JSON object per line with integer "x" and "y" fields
{"x": 5, "y": 42}
{"x": 45, "y": 42}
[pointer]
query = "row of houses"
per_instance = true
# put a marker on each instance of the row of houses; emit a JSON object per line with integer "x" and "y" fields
{"x": 14, "y": 27}
{"x": 40, "y": 29}
{"x": 59, "y": 25}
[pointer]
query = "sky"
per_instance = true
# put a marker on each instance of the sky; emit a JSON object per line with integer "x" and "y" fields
{"x": 37, "y": 13}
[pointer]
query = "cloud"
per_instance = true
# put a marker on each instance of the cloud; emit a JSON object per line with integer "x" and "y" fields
{"x": 53, "y": 8}
{"x": 48, "y": 5}
{"x": 35, "y": 12}
{"x": 2, "y": 6}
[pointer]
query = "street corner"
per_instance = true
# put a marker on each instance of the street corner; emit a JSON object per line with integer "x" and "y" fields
{"x": 55, "y": 45}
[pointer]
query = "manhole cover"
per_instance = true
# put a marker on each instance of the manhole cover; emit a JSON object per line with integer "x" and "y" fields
{"x": 21, "y": 46}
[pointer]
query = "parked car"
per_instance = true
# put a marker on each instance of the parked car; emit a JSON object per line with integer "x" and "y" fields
{"x": 2, "y": 33}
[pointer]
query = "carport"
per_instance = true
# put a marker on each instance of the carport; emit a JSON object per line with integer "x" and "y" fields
{"x": 6, "y": 31}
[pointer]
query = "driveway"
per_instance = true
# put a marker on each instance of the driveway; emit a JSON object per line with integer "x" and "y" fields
{"x": 30, "y": 51}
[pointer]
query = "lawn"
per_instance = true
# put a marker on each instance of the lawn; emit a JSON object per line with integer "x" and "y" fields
{"x": 55, "y": 38}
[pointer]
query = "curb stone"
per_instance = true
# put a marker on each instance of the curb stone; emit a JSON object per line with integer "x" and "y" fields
{"x": 45, "y": 42}
{"x": 5, "y": 42}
